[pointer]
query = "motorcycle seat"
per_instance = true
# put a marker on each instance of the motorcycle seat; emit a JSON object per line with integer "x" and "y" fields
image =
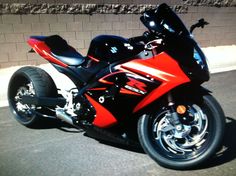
{"x": 71, "y": 58}
{"x": 61, "y": 50}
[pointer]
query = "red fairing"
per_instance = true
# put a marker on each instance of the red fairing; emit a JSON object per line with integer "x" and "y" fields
{"x": 162, "y": 68}
{"x": 104, "y": 118}
{"x": 43, "y": 50}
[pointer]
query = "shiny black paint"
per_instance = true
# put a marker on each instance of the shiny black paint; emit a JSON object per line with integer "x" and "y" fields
{"x": 120, "y": 104}
{"x": 110, "y": 48}
{"x": 177, "y": 41}
{"x": 182, "y": 50}
{"x": 164, "y": 21}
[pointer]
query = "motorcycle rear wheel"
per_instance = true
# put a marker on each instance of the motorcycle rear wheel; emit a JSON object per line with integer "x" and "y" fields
{"x": 30, "y": 81}
{"x": 203, "y": 129}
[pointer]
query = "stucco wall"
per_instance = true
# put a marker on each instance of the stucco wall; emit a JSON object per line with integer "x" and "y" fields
{"x": 20, "y": 19}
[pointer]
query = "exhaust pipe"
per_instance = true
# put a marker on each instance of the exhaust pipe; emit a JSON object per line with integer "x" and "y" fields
{"x": 60, "y": 113}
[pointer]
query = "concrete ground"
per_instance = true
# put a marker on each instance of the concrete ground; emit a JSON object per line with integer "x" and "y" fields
{"x": 57, "y": 149}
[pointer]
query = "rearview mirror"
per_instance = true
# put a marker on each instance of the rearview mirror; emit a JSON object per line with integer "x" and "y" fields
{"x": 201, "y": 23}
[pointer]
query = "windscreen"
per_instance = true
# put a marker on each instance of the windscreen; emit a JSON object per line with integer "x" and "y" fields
{"x": 164, "y": 20}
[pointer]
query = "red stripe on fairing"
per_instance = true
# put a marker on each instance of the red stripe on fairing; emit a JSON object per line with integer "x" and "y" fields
{"x": 103, "y": 79}
{"x": 104, "y": 118}
{"x": 43, "y": 50}
{"x": 97, "y": 88}
{"x": 162, "y": 68}
{"x": 93, "y": 58}
{"x": 54, "y": 60}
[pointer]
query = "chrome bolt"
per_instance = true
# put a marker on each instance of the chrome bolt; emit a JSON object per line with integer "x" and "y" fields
{"x": 77, "y": 107}
{"x": 178, "y": 127}
{"x": 101, "y": 99}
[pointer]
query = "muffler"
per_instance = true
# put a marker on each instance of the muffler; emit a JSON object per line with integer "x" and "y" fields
{"x": 60, "y": 114}
{"x": 43, "y": 101}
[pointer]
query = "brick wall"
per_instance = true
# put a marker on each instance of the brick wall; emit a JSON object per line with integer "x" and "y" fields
{"x": 79, "y": 29}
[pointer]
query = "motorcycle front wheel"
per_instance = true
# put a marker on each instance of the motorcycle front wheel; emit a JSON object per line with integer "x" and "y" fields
{"x": 200, "y": 137}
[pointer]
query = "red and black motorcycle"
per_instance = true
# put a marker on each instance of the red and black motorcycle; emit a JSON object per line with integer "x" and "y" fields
{"x": 145, "y": 89}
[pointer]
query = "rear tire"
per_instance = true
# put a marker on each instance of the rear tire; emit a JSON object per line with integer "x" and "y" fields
{"x": 31, "y": 81}
{"x": 167, "y": 152}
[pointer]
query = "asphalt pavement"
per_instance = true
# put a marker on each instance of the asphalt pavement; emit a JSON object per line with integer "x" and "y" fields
{"x": 58, "y": 149}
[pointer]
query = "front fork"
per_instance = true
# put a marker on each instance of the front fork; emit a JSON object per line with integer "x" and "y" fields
{"x": 173, "y": 116}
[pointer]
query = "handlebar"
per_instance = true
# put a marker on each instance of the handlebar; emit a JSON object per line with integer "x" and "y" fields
{"x": 150, "y": 41}
{"x": 138, "y": 39}
{"x": 146, "y": 37}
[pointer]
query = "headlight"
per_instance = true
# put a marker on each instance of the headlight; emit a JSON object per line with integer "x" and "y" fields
{"x": 200, "y": 58}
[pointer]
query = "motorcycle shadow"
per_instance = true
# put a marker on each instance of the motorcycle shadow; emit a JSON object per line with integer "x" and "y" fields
{"x": 60, "y": 125}
{"x": 228, "y": 152}
{"x": 54, "y": 123}
{"x": 225, "y": 154}
{"x": 136, "y": 147}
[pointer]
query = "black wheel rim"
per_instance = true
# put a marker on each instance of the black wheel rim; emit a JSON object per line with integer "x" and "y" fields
{"x": 187, "y": 145}
{"x": 22, "y": 86}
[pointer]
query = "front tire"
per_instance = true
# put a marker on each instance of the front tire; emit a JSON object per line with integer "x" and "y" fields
{"x": 30, "y": 81}
{"x": 203, "y": 125}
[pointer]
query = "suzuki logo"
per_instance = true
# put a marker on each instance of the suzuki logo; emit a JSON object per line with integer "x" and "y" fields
{"x": 114, "y": 50}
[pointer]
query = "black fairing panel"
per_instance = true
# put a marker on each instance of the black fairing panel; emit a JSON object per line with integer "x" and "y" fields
{"x": 110, "y": 48}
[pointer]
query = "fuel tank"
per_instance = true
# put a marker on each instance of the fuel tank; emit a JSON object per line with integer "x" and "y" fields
{"x": 110, "y": 48}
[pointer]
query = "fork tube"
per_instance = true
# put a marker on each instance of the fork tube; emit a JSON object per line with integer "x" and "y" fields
{"x": 174, "y": 118}
{"x": 154, "y": 52}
